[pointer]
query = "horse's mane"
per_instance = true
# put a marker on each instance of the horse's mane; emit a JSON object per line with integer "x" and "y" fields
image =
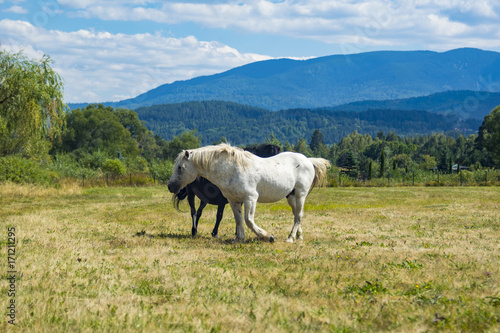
{"x": 205, "y": 157}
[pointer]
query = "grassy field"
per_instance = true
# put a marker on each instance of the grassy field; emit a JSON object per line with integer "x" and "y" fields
{"x": 372, "y": 259}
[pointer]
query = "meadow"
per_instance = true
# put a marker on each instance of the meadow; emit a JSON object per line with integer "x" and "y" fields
{"x": 403, "y": 259}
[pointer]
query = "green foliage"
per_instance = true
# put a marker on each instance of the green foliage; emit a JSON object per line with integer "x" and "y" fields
{"x": 428, "y": 163}
{"x": 66, "y": 166}
{"x": 31, "y": 105}
{"x": 243, "y": 124}
{"x": 98, "y": 128}
{"x": 162, "y": 170}
{"x": 114, "y": 167}
{"x": 302, "y": 147}
{"x": 187, "y": 140}
{"x": 489, "y": 134}
{"x": 19, "y": 169}
{"x": 136, "y": 164}
{"x": 382, "y": 164}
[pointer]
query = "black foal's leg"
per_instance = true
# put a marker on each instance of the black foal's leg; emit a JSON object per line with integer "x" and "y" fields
{"x": 194, "y": 229}
{"x": 220, "y": 213}
{"x": 203, "y": 204}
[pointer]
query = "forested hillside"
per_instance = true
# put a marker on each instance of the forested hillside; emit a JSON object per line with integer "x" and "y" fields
{"x": 464, "y": 104}
{"x": 242, "y": 124}
{"x": 334, "y": 80}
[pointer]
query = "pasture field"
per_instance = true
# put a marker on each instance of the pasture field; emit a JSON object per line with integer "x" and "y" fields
{"x": 403, "y": 259}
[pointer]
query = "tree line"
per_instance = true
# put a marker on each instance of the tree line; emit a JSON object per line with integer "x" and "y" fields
{"x": 41, "y": 141}
{"x": 242, "y": 124}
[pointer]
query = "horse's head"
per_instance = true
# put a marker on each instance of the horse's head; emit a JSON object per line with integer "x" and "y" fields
{"x": 184, "y": 172}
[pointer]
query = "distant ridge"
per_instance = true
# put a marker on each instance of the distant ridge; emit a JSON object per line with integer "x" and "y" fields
{"x": 464, "y": 103}
{"x": 336, "y": 80}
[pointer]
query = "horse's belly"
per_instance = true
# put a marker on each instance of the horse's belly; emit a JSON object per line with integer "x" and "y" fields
{"x": 270, "y": 193}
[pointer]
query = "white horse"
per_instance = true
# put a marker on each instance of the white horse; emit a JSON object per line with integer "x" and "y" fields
{"x": 244, "y": 178}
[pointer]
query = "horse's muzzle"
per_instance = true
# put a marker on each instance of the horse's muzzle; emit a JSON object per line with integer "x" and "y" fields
{"x": 173, "y": 188}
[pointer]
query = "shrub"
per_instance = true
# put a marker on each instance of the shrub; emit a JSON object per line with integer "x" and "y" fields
{"x": 66, "y": 166}
{"x": 162, "y": 170}
{"x": 114, "y": 167}
{"x": 137, "y": 164}
{"x": 94, "y": 160}
{"x": 18, "y": 169}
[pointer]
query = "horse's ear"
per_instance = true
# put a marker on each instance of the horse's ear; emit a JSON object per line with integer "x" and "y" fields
{"x": 186, "y": 154}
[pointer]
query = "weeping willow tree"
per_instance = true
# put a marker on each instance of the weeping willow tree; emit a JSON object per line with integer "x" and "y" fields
{"x": 31, "y": 105}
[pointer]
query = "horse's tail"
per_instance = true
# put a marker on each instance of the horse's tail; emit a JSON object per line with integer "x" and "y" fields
{"x": 177, "y": 198}
{"x": 320, "y": 167}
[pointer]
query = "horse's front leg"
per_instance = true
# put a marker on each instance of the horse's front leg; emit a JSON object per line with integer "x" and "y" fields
{"x": 202, "y": 206}
{"x": 194, "y": 229}
{"x": 250, "y": 205}
{"x": 220, "y": 214}
{"x": 238, "y": 218}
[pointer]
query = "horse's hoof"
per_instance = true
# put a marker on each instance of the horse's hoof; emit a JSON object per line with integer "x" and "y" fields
{"x": 194, "y": 232}
{"x": 289, "y": 240}
{"x": 271, "y": 239}
{"x": 215, "y": 236}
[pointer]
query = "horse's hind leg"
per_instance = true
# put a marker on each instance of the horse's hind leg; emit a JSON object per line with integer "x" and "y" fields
{"x": 250, "y": 206}
{"x": 220, "y": 214}
{"x": 238, "y": 218}
{"x": 297, "y": 203}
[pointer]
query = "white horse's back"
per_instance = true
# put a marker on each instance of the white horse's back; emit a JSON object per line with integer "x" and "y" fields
{"x": 283, "y": 174}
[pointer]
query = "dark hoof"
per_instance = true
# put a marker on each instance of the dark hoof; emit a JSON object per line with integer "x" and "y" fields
{"x": 214, "y": 235}
{"x": 194, "y": 232}
{"x": 271, "y": 239}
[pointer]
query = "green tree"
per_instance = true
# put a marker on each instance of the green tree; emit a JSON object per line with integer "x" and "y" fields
{"x": 274, "y": 141}
{"x": 382, "y": 163}
{"x": 428, "y": 163}
{"x": 98, "y": 128}
{"x": 187, "y": 140}
{"x": 349, "y": 161}
{"x": 302, "y": 147}
{"x": 317, "y": 144}
{"x": 31, "y": 105}
{"x": 489, "y": 134}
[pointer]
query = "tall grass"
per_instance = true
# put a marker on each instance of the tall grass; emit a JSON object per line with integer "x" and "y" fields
{"x": 402, "y": 259}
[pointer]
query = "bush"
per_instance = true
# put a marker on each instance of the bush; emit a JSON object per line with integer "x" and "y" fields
{"x": 66, "y": 166}
{"x": 137, "y": 164}
{"x": 162, "y": 170}
{"x": 18, "y": 169}
{"x": 94, "y": 160}
{"x": 114, "y": 167}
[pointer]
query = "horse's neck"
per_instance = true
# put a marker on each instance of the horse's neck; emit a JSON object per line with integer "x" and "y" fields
{"x": 217, "y": 170}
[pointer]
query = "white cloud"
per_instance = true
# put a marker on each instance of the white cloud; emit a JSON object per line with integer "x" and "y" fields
{"x": 97, "y": 65}
{"x": 16, "y": 10}
{"x": 378, "y": 22}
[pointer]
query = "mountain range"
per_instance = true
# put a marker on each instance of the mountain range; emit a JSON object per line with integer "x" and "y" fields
{"x": 335, "y": 80}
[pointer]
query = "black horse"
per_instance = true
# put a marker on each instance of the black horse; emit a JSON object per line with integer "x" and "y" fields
{"x": 208, "y": 193}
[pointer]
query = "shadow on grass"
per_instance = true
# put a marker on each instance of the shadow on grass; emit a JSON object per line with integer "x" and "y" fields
{"x": 169, "y": 235}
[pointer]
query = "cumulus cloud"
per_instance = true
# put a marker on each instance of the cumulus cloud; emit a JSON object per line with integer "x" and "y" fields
{"x": 96, "y": 65}
{"x": 378, "y": 22}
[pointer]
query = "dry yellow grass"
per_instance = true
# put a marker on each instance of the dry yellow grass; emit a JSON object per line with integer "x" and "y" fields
{"x": 372, "y": 259}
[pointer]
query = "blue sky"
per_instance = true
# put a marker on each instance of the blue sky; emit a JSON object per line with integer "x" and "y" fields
{"x": 107, "y": 50}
